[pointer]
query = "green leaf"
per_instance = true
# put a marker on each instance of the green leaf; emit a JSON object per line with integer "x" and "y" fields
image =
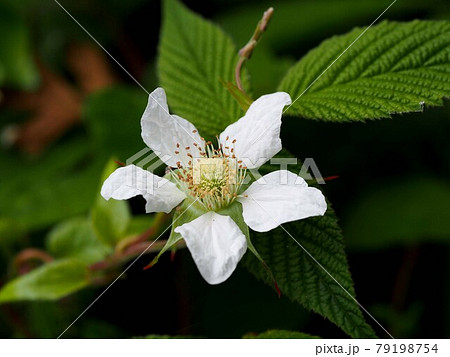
{"x": 51, "y": 281}
{"x": 392, "y": 68}
{"x": 300, "y": 278}
{"x": 75, "y": 238}
{"x": 281, "y": 334}
{"x": 110, "y": 218}
{"x": 16, "y": 60}
{"x": 194, "y": 56}
{"x": 405, "y": 212}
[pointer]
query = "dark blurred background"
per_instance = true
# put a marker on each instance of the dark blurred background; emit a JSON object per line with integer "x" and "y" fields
{"x": 66, "y": 108}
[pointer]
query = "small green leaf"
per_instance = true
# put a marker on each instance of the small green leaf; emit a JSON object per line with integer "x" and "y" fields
{"x": 392, "y": 68}
{"x": 51, "y": 281}
{"x": 281, "y": 334}
{"x": 194, "y": 56}
{"x": 75, "y": 238}
{"x": 110, "y": 218}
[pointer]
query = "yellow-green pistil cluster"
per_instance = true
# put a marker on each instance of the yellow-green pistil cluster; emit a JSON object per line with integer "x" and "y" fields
{"x": 212, "y": 176}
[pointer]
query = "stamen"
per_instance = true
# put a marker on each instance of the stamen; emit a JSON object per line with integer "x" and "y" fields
{"x": 215, "y": 184}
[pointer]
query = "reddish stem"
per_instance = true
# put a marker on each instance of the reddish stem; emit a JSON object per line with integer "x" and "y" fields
{"x": 31, "y": 254}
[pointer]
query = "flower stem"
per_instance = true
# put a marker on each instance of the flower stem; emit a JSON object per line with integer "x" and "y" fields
{"x": 246, "y": 52}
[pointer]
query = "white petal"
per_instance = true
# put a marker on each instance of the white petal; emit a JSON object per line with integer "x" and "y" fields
{"x": 216, "y": 244}
{"x": 257, "y": 133}
{"x": 129, "y": 181}
{"x": 162, "y": 132}
{"x": 280, "y": 197}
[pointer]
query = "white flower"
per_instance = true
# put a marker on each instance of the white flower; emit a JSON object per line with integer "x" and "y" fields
{"x": 213, "y": 178}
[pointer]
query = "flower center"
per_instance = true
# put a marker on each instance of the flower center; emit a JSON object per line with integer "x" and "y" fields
{"x": 214, "y": 178}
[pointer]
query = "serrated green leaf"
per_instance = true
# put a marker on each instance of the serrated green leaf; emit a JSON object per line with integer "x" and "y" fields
{"x": 302, "y": 279}
{"x": 51, "y": 281}
{"x": 392, "y": 68}
{"x": 281, "y": 334}
{"x": 75, "y": 238}
{"x": 194, "y": 56}
{"x": 299, "y": 277}
{"x": 110, "y": 218}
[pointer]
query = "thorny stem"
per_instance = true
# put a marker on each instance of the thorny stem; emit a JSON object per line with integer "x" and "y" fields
{"x": 246, "y": 52}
